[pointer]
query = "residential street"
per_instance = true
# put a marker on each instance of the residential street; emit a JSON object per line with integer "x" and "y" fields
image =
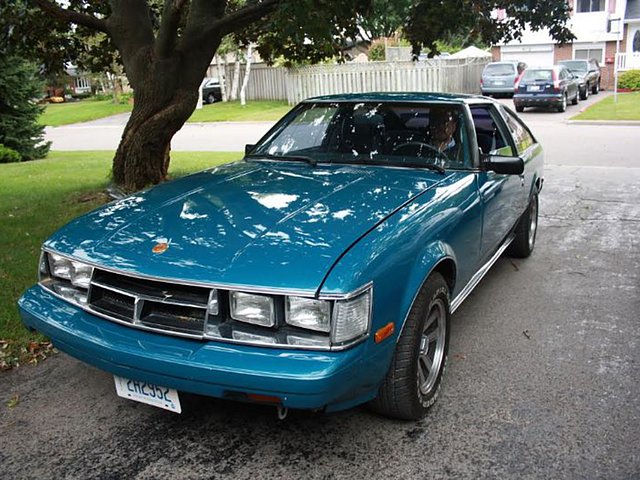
{"x": 104, "y": 134}
{"x": 542, "y": 383}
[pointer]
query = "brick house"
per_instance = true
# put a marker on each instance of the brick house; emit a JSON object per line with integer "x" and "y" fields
{"x": 594, "y": 24}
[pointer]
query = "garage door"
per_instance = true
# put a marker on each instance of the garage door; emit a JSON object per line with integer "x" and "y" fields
{"x": 532, "y": 56}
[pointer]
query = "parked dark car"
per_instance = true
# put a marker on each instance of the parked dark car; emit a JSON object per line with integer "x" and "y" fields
{"x": 318, "y": 272}
{"x": 588, "y": 72}
{"x": 500, "y": 77}
{"x": 552, "y": 86}
{"x": 211, "y": 91}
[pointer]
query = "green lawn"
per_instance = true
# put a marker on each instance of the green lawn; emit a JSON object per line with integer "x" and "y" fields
{"x": 627, "y": 108}
{"x": 256, "y": 111}
{"x": 57, "y": 114}
{"x": 37, "y": 198}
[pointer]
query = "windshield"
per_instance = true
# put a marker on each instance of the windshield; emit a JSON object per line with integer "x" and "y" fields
{"x": 495, "y": 69}
{"x": 395, "y": 134}
{"x": 575, "y": 66}
{"x": 537, "y": 74}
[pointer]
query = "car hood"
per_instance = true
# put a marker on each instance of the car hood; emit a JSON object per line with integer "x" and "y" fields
{"x": 259, "y": 224}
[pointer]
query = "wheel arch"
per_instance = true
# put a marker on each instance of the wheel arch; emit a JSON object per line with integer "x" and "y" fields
{"x": 437, "y": 258}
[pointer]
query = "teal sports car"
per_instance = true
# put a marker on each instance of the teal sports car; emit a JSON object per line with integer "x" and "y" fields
{"x": 318, "y": 272}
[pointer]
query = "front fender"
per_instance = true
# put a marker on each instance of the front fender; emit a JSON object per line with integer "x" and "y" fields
{"x": 399, "y": 254}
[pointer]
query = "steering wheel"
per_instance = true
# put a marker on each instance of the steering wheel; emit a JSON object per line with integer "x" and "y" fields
{"x": 418, "y": 146}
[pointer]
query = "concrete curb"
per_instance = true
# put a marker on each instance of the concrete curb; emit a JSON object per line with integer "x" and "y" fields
{"x": 623, "y": 123}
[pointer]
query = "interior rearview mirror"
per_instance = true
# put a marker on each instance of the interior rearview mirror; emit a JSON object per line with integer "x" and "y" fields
{"x": 503, "y": 165}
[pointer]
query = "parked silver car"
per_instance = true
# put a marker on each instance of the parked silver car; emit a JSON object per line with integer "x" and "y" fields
{"x": 500, "y": 77}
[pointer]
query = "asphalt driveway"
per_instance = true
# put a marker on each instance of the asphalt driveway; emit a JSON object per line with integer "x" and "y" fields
{"x": 542, "y": 382}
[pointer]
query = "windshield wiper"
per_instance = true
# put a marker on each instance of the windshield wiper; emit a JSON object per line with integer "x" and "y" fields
{"x": 296, "y": 158}
{"x": 429, "y": 166}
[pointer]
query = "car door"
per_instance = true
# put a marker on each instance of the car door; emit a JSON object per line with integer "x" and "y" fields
{"x": 501, "y": 196}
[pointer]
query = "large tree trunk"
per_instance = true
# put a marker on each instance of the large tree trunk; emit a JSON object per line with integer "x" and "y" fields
{"x": 142, "y": 158}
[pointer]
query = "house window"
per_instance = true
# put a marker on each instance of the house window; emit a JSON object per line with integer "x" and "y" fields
{"x": 635, "y": 47}
{"x": 584, "y": 6}
{"x": 588, "y": 54}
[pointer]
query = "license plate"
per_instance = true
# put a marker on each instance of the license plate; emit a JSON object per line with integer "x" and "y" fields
{"x": 148, "y": 393}
{"x": 533, "y": 88}
{"x": 498, "y": 82}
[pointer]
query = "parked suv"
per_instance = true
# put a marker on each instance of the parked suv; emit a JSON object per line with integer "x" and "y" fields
{"x": 588, "y": 71}
{"x": 552, "y": 86}
{"x": 500, "y": 77}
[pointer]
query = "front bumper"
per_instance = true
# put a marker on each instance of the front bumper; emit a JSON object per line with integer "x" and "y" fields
{"x": 539, "y": 100}
{"x": 302, "y": 379}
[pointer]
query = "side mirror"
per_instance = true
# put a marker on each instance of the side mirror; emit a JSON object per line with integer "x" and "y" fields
{"x": 248, "y": 147}
{"x": 503, "y": 165}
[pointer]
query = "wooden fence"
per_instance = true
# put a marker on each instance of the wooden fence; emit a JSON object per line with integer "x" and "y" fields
{"x": 294, "y": 85}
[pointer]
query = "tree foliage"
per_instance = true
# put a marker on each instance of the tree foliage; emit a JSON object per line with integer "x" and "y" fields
{"x": 165, "y": 47}
{"x": 429, "y": 21}
{"x": 19, "y": 129}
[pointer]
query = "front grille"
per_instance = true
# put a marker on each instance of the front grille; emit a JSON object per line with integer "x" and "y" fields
{"x": 184, "y": 310}
{"x": 172, "y": 307}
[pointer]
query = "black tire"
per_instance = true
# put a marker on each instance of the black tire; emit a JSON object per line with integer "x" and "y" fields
{"x": 519, "y": 108}
{"x": 526, "y": 230}
{"x": 563, "y": 106}
{"x": 211, "y": 98}
{"x": 585, "y": 94}
{"x": 406, "y": 392}
{"x": 596, "y": 88}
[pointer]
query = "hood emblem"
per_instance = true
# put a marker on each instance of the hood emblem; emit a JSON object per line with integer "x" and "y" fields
{"x": 160, "y": 247}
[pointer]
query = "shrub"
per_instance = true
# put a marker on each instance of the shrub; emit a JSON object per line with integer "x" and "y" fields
{"x": 376, "y": 52}
{"x": 8, "y": 155}
{"x": 629, "y": 80}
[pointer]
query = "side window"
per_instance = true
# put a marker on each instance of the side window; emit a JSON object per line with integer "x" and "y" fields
{"x": 523, "y": 138}
{"x": 491, "y": 140}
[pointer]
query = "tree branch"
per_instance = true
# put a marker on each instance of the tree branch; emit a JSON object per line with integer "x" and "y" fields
{"x": 168, "y": 32}
{"x": 71, "y": 16}
{"x": 244, "y": 16}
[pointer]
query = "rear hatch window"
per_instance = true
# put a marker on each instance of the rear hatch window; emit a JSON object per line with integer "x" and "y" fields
{"x": 499, "y": 69}
{"x": 537, "y": 75}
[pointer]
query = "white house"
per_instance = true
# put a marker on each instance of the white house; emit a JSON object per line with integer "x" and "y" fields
{"x": 597, "y": 25}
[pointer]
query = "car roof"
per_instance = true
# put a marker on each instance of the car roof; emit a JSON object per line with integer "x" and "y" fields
{"x": 439, "y": 97}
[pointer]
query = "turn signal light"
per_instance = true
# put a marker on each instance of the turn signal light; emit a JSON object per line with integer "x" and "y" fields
{"x": 384, "y": 332}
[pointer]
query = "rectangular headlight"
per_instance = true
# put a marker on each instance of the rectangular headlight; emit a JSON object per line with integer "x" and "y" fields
{"x": 308, "y": 313}
{"x": 71, "y": 294}
{"x": 81, "y": 274}
{"x": 78, "y": 273}
{"x": 351, "y": 318}
{"x": 59, "y": 266}
{"x": 250, "y": 308}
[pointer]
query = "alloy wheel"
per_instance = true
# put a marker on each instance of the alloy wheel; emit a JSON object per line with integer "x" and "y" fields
{"x": 432, "y": 347}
